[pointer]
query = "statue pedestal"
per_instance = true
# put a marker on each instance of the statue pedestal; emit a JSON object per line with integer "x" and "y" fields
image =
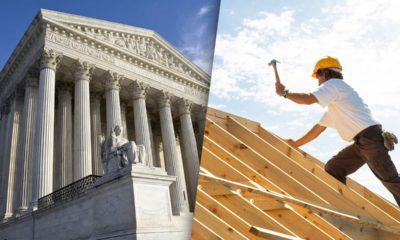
{"x": 135, "y": 201}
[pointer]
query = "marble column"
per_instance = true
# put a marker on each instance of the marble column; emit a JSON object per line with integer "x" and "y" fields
{"x": 5, "y": 109}
{"x": 190, "y": 155}
{"x": 26, "y": 149}
{"x": 123, "y": 120}
{"x": 82, "y": 132}
{"x": 95, "y": 116}
{"x": 153, "y": 151}
{"x": 65, "y": 173}
{"x": 113, "y": 109}
{"x": 10, "y": 153}
{"x": 158, "y": 162}
{"x": 140, "y": 116}
{"x": 44, "y": 135}
{"x": 173, "y": 166}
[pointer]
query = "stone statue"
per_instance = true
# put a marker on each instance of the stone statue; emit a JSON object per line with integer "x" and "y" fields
{"x": 117, "y": 152}
{"x": 151, "y": 51}
{"x": 143, "y": 47}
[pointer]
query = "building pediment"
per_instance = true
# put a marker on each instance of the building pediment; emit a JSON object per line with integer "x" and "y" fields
{"x": 142, "y": 44}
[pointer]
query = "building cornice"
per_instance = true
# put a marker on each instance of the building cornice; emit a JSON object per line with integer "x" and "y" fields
{"x": 182, "y": 72}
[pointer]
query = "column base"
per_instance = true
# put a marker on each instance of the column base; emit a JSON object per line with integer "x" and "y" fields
{"x": 6, "y": 216}
{"x": 21, "y": 211}
{"x": 33, "y": 206}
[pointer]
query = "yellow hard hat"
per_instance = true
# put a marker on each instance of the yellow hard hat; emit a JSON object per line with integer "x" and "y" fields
{"x": 326, "y": 62}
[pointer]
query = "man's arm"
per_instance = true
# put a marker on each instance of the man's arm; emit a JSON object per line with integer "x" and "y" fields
{"x": 314, "y": 132}
{"x": 300, "y": 98}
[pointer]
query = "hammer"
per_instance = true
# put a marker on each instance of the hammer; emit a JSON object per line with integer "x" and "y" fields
{"x": 273, "y": 64}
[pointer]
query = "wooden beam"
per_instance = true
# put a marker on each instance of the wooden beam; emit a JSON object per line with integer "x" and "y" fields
{"x": 219, "y": 168}
{"x": 268, "y": 204}
{"x": 271, "y": 235}
{"x": 289, "y": 218}
{"x": 224, "y": 213}
{"x": 251, "y": 214}
{"x": 217, "y": 225}
{"x": 303, "y": 157}
{"x": 237, "y": 163}
{"x": 214, "y": 189}
{"x": 202, "y": 232}
{"x": 320, "y": 222}
{"x": 220, "y": 117}
{"x": 272, "y": 204}
{"x": 310, "y": 206}
{"x": 321, "y": 183}
{"x": 257, "y": 162}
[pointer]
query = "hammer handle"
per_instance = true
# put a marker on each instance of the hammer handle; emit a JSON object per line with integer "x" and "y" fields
{"x": 276, "y": 73}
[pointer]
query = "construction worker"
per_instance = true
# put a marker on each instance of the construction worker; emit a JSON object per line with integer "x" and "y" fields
{"x": 351, "y": 117}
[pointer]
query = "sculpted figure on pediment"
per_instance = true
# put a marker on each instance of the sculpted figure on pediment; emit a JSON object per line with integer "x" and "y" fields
{"x": 162, "y": 57}
{"x": 132, "y": 44}
{"x": 120, "y": 42}
{"x": 143, "y": 47}
{"x": 151, "y": 51}
{"x": 170, "y": 60}
{"x": 179, "y": 67}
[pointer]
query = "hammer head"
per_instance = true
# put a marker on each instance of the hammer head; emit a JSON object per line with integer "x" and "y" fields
{"x": 273, "y": 62}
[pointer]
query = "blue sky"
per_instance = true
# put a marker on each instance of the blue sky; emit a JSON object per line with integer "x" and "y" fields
{"x": 190, "y": 25}
{"x": 363, "y": 34}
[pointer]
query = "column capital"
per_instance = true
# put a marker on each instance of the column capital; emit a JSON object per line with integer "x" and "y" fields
{"x": 139, "y": 90}
{"x": 164, "y": 99}
{"x": 201, "y": 112}
{"x": 50, "y": 59}
{"x": 184, "y": 106}
{"x": 112, "y": 80}
{"x": 82, "y": 70}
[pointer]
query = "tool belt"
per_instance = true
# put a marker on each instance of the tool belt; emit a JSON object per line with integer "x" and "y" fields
{"x": 389, "y": 140}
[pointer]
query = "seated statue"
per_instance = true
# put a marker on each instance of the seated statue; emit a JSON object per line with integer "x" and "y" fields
{"x": 117, "y": 152}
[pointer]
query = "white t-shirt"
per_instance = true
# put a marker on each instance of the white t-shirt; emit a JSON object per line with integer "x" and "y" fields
{"x": 347, "y": 112}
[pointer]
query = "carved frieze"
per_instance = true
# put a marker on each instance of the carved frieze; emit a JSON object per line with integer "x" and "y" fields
{"x": 139, "y": 45}
{"x": 142, "y": 46}
{"x": 78, "y": 46}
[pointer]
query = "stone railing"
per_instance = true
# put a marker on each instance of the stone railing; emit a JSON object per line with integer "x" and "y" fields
{"x": 67, "y": 193}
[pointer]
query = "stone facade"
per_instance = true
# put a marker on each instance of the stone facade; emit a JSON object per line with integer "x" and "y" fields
{"x": 70, "y": 80}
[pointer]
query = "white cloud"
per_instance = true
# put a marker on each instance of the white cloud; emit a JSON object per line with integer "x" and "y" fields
{"x": 362, "y": 34}
{"x": 199, "y": 37}
{"x": 203, "y": 10}
{"x": 362, "y": 38}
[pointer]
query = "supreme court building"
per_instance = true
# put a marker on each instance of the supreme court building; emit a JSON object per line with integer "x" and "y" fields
{"x": 69, "y": 81}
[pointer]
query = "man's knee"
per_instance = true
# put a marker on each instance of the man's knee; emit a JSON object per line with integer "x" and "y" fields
{"x": 335, "y": 172}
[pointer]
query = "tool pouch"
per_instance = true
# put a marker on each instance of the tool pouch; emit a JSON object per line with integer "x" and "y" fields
{"x": 389, "y": 140}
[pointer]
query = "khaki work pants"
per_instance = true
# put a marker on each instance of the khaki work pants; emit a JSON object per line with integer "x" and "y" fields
{"x": 367, "y": 148}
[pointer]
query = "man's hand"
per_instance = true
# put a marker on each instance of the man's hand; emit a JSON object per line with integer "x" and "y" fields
{"x": 292, "y": 143}
{"x": 279, "y": 87}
